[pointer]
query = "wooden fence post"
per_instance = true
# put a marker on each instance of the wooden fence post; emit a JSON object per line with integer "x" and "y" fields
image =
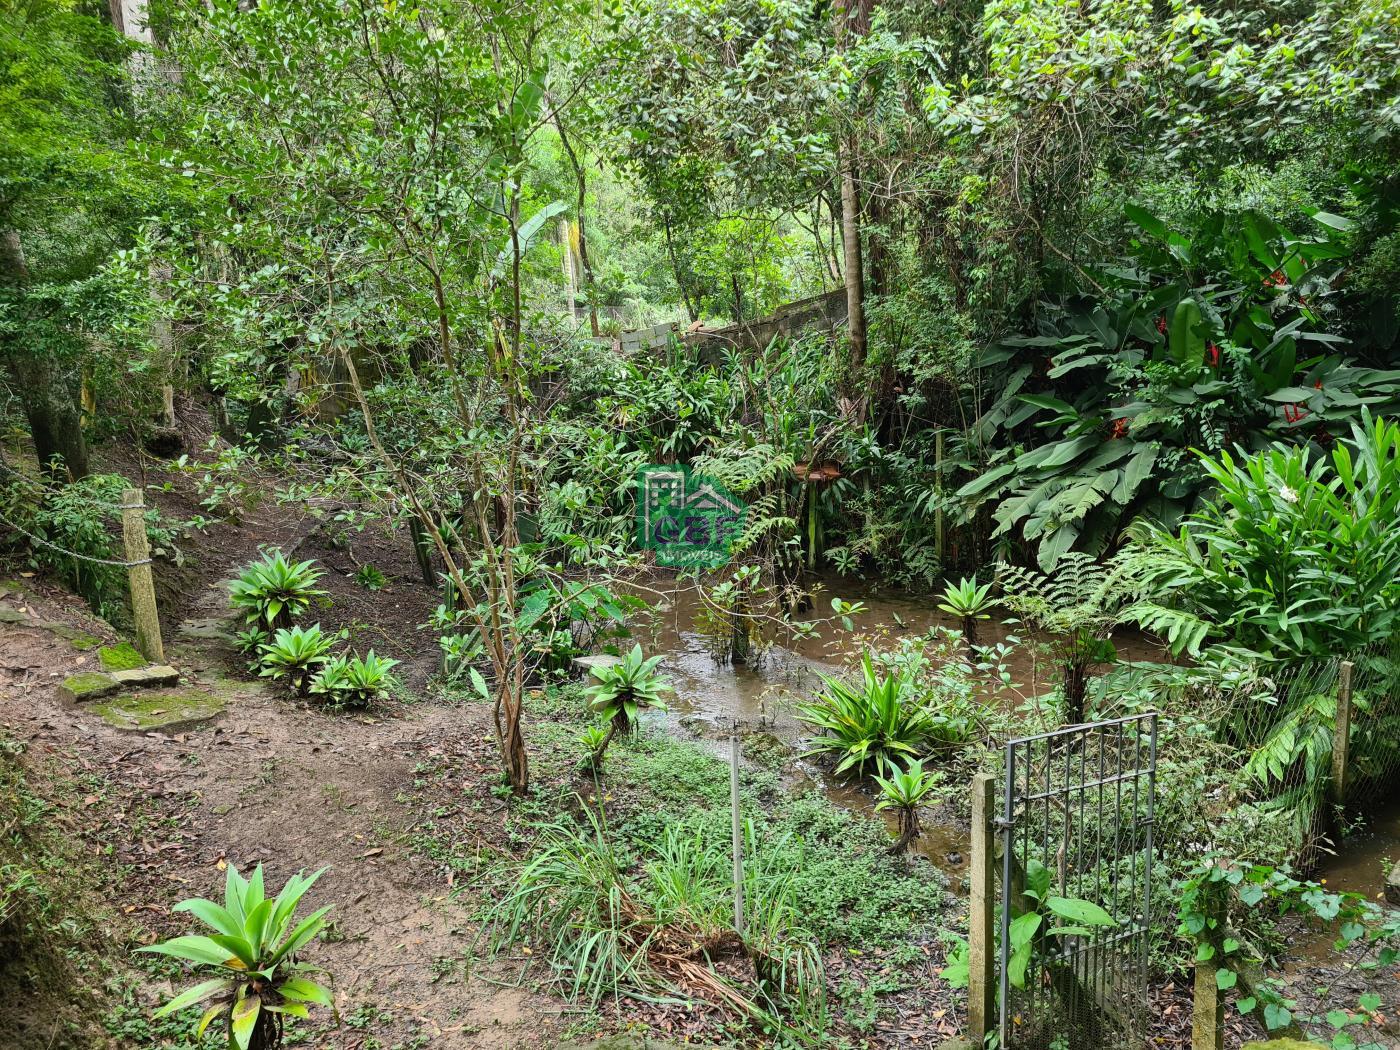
{"x": 140, "y": 577}
{"x": 1341, "y": 735}
{"x": 981, "y": 912}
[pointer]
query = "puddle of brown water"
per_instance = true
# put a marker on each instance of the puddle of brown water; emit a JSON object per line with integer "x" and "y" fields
{"x": 711, "y": 696}
{"x": 1363, "y": 860}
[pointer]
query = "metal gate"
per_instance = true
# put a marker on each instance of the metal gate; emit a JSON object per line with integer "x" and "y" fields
{"x": 1076, "y": 837}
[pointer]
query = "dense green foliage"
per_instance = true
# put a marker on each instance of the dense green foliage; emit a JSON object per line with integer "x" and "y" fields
{"x": 1122, "y": 343}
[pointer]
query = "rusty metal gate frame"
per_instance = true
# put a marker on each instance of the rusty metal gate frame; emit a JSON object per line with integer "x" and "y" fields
{"x": 1081, "y": 801}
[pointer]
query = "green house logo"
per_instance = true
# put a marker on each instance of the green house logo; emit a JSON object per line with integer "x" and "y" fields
{"x": 689, "y": 520}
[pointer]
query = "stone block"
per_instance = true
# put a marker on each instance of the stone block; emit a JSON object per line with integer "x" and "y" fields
{"x": 146, "y": 677}
{"x": 89, "y": 685}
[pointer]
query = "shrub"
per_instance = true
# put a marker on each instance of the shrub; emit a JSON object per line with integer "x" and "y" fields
{"x": 82, "y": 517}
{"x": 275, "y": 591}
{"x": 1293, "y": 555}
{"x": 295, "y": 654}
{"x": 257, "y": 981}
{"x": 353, "y": 681}
{"x": 875, "y": 721}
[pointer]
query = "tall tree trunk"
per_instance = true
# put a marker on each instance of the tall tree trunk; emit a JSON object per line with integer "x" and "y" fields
{"x": 132, "y": 19}
{"x": 852, "y": 19}
{"x": 55, "y": 421}
{"x": 850, "y": 246}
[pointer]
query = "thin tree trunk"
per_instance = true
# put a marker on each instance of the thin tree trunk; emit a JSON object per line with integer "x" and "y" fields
{"x": 690, "y": 309}
{"x": 852, "y": 19}
{"x": 584, "y": 262}
{"x": 55, "y": 422}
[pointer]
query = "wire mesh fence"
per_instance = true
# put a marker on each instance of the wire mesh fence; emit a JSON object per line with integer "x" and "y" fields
{"x": 1077, "y": 854}
{"x": 1269, "y": 730}
{"x": 1374, "y": 766}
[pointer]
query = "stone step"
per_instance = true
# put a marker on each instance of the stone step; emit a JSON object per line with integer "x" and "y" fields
{"x": 93, "y": 685}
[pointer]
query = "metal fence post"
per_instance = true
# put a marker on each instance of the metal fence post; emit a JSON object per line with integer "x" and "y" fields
{"x": 981, "y": 912}
{"x": 1341, "y": 735}
{"x": 1007, "y": 827}
{"x": 141, "y": 580}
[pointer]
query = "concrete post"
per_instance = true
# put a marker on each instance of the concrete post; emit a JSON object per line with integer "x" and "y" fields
{"x": 1207, "y": 1010}
{"x": 142, "y": 581}
{"x": 981, "y": 912}
{"x": 1341, "y": 736}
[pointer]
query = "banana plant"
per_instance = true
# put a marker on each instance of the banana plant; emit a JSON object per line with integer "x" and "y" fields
{"x": 258, "y": 981}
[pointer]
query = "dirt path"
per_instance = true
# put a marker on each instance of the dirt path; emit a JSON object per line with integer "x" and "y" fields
{"x": 268, "y": 781}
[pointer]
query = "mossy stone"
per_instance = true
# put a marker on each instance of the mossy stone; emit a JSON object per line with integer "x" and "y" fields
{"x": 88, "y": 685}
{"x": 84, "y": 642}
{"x": 1284, "y": 1044}
{"x": 166, "y": 709}
{"x": 121, "y": 657}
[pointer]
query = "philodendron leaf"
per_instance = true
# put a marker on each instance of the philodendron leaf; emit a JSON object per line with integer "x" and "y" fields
{"x": 1083, "y": 913}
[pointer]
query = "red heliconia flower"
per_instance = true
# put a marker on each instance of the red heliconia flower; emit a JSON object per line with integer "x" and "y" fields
{"x": 1162, "y": 324}
{"x": 1318, "y": 384}
{"x": 1118, "y": 429}
{"x": 1213, "y": 355}
{"x": 1294, "y": 413}
{"x": 1277, "y": 279}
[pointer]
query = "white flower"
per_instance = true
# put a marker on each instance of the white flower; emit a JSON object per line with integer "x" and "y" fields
{"x": 1287, "y": 495}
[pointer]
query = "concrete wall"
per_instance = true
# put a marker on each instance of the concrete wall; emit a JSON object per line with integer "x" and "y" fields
{"x": 820, "y": 313}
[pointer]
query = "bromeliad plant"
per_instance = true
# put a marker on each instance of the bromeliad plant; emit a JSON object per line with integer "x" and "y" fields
{"x": 354, "y": 681}
{"x": 257, "y": 979}
{"x": 273, "y": 591}
{"x": 969, "y": 602}
{"x": 874, "y": 722}
{"x": 296, "y": 655}
{"x": 595, "y": 742}
{"x": 903, "y": 791}
{"x": 624, "y": 689}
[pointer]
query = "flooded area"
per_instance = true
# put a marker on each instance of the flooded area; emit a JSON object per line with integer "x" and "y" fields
{"x": 712, "y": 695}
{"x": 1366, "y": 857}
